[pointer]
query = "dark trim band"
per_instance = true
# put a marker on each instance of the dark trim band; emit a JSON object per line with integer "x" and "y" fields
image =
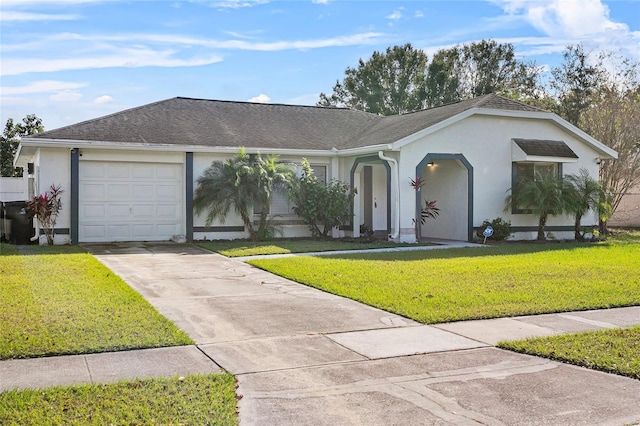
{"x": 188, "y": 187}
{"x": 75, "y": 196}
{"x": 58, "y": 231}
{"x": 218, "y": 228}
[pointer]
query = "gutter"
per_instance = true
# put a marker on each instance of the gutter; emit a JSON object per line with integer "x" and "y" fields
{"x": 394, "y": 163}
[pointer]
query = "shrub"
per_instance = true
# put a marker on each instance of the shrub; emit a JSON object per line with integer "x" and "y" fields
{"x": 46, "y": 208}
{"x": 501, "y": 229}
{"x": 322, "y": 206}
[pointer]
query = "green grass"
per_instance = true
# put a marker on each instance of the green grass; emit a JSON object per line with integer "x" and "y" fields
{"x": 193, "y": 400}
{"x": 614, "y": 351}
{"x": 459, "y": 284}
{"x": 237, "y": 248}
{"x": 61, "y": 300}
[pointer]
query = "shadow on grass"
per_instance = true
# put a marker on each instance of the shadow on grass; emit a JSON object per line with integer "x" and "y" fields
{"x": 34, "y": 250}
{"x": 506, "y": 249}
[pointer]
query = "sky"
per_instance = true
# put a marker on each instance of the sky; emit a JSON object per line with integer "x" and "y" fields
{"x": 74, "y": 60}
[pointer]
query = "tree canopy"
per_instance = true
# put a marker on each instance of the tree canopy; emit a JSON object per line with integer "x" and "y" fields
{"x": 10, "y": 140}
{"x": 388, "y": 83}
{"x": 402, "y": 80}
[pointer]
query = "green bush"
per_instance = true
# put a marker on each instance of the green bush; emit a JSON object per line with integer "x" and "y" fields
{"x": 320, "y": 205}
{"x": 501, "y": 229}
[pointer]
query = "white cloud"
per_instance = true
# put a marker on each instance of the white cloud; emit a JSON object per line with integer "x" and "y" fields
{"x": 146, "y": 50}
{"x": 136, "y": 57}
{"x": 236, "y": 4}
{"x": 261, "y": 99}
{"x": 66, "y": 96}
{"x": 175, "y": 40}
{"x": 43, "y": 86}
{"x": 320, "y": 1}
{"x": 395, "y": 15}
{"x": 418, "y": 14}
{"x": 104, "y": 99}
{"x": 27, "y": 3}
{"x": 570, "y": 22}
{"x": 6, "y": 16}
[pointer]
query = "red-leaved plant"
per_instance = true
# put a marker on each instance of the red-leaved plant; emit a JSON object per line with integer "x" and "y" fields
{"x": 429, "y": 211}
{"x": 46, "y": 207}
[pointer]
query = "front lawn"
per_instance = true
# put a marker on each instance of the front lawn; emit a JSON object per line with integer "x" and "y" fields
{"x": 193, "y": 400}
{"x": 511, "y": 279}
{"x": 238, "y": 248}
{"x": 614, "y": 351}
{"x": 61, "y": 300}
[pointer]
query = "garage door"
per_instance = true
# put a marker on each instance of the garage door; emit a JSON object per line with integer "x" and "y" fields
{"x": 122, "y": 201}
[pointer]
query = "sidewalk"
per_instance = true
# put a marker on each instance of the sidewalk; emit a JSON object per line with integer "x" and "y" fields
{"x": 371, "y": 344}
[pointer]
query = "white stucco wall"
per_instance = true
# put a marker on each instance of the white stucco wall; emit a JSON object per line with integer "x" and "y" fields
{"x": 290, "y": 226}
{"x": 447, "y": 183}
{"x": 53, "y": 166}
{"x": 486, "y": 142}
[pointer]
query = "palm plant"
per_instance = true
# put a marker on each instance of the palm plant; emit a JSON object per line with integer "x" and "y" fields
{"x": 544, "y": 196}
{"x": 244, "y": 184}
{"x": 271, "y": 176}
{"x": 586, "y": 194}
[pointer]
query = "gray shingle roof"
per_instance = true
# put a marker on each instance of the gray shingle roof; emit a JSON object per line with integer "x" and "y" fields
{"x": 545, "y": 148}
{"x": 187, "y": 121}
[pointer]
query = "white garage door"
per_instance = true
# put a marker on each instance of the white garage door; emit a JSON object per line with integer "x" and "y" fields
{"x": 122, "y": 201}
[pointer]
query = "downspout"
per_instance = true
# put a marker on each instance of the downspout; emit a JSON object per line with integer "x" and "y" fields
{"x": 37, "y": 236}
{"x": 394, "y": 163}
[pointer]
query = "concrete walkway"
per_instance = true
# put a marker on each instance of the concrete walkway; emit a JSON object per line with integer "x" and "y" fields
{"x": 302, "y": 356}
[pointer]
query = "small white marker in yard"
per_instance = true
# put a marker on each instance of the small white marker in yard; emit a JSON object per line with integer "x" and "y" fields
{"x": 488, "y": 231}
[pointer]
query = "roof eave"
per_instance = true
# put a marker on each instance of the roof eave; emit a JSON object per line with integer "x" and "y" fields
{"x": 370, "y": 149}
{"x": 110, "y": 145}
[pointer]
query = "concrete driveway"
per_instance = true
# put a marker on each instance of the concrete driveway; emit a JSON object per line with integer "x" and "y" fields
{"x": 303, "y": 356}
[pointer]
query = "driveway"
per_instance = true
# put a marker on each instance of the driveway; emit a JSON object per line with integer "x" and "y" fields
{"x": 303, "y": 356}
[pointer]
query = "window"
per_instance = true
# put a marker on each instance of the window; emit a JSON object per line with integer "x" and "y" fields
{"x": 280, "y": 204}
{"x": 527, "y": 172}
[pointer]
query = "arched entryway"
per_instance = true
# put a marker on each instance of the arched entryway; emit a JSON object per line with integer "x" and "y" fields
{"x": 372, "y": 204}
{"x": 448, "y": 178}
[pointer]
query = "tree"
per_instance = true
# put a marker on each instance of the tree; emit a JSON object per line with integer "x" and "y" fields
{"x": 10, "y": 140}
{"x": 322, "y": 206}
{"x": 402, "y": 80}
{"x": 574, "y": 83}
{"x": 245, "y": 183}
{"x": 584, "y": 194}
{"x": 388, "y": 83}
{"x": 614, "y": 119}
{"x": 479, "y": 68}
{"x": 543, "y": 196}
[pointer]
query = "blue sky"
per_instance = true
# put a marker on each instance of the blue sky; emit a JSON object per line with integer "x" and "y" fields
{"x": 69, "y": 61}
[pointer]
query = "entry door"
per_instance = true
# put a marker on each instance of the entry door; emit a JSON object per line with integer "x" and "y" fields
{"x": 127, "y": 201}
{"x": 367, "y": 196}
